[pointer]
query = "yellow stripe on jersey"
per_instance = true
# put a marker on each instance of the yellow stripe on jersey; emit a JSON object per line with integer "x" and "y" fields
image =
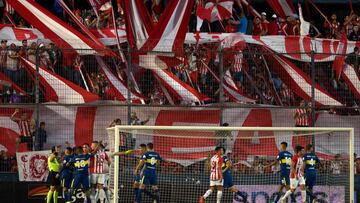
{"x": 142, "y": 180}
{"x": 285, "y": 161}
{"x": 81, "y": 164}
{"x": 151, "y": 161}
{"x": 310, "y": 162}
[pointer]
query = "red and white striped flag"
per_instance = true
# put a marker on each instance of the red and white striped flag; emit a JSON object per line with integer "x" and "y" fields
{"x": 58, "y": 89}
{"x": 283, "y": 8}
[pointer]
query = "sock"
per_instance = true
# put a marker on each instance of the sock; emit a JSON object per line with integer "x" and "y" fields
{"x": 219, "y": 196}
{"x": 277, "y": 197}
{"x": 49, "y": 196}
{"x": 148, "y": 193}
{"x": 303, "y": 195}
{"x": 88, "y": 199}
{"x": 287, "y": 194}
{"x": 138, "y": 196}
{"x": 136, "y": 190}
{"x": 56, "y": 193}
{"x": 207, "y": 194}
{"x": 96, "y": 195}
{"x": 156, "y": 196}
{"x": 67, "y": 196}
{"x": 293, "y": 199}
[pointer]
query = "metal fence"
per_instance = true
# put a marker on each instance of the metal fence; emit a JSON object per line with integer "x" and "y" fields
{"x": 70, "y": 91}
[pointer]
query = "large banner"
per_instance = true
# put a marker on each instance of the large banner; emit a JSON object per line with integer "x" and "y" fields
{"x": 267, "y": 193}
{"x": 32, "y": 166}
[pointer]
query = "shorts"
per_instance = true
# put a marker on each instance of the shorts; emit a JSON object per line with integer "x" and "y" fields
{"x": 216, "y": 182}
{"x": 81, "y": 180}
{"x": 228, "y": 181}
{"x": 149, "y": 179}
{"x": 285, "y": 179}
{"x": 294, "y": 183}
{"x": 66, "y": 181}
{"x": 53, "y": 180}
{"x": 137, "y": 178}
{"x": 310, "y": 181}
{"x": 98, "y": 178}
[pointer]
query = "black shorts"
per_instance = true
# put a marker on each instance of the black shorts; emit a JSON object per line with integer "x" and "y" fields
{"x": 26, "y": 139}
{"x": 53, "y": 180}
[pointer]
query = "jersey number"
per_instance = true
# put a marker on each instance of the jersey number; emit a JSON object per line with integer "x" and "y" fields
{"x": 152, "y": 161}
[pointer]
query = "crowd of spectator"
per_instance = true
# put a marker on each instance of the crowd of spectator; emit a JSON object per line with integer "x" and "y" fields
{"x": 199, "y": 66}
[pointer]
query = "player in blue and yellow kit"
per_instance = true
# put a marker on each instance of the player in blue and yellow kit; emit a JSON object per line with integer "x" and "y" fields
{"x": 226, "y": 171}
{"x": 310, "y": 160}
{"x": 148, "y": 164}
{"x": 284, "y": 159}
{"x": 66, "y": 174}
{"x": 81, "y": 162}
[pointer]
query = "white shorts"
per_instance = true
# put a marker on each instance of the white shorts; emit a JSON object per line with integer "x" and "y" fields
{"x": 98, "y": 178}
{"x": 294, "y": 183}
{"x": 216, "y": 182}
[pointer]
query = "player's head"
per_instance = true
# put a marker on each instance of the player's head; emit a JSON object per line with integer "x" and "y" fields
{"x": 94, "y": 144}
{"x": 42, "y": 125}
{"x": 86, "y": 148}
{"x": 68, "y": 151}
{"x": 24, "y": 116}
{"x": 143, "y": 148}
{"x": 283, "y": 146}
{"x": 219, "y": 150}
{"x": 150, "y": 146}
{"x": 55, "y": 149}
{"x": 79, "y": 150}
{"x": 309, "y": 148}
{"x": 299, "y": 150}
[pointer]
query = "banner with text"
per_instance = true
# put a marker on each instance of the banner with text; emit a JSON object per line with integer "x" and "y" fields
{"x": 267, "y": 193}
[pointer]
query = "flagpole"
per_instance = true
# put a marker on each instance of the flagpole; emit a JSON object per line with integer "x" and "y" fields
{"x": 82, "y": 76}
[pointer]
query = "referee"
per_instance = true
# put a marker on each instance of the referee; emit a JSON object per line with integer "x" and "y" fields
{"x": 54, "y": 168}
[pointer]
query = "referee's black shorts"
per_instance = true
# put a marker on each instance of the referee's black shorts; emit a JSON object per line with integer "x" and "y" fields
{"x": 53, "y": 180}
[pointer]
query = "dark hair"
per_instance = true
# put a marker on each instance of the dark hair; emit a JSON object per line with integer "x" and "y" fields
{"x": 87, "y": 144}
{"x": 298, "y": 148}
{"x": 308, "y": 147}
{"x": 42, "y": 123}
{"x": 69, "y": 149}
{"x": 356, "y": 49}
{"x": 143, "y": 145}
{"x": 219, "y": 148}
{"x": 95, "y": 142}
{"x": 225, "y": 124}
{"x": 53, "y": 148}
{"x": 284, "y": 143}
{"x": 150, "y": 145}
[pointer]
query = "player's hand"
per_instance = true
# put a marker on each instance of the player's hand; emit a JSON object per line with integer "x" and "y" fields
{"x": 57, "y": 176}
{"x": 17, "y": 111}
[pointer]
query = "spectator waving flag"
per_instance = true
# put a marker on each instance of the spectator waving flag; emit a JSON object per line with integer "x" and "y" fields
{"x": 282, "y": 8}
{"x": 220, "y": 9}
{"x": 58, "y": 89}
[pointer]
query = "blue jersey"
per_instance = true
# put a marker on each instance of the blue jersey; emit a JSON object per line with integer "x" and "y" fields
{"x": 284, "y": 159}
{"x": 310, "y": 160}
{"x": 81, "y": 163}
{"x": 227, "y": 171}
{"x": 67, "y": 170}
{"x": 151, "y": 159}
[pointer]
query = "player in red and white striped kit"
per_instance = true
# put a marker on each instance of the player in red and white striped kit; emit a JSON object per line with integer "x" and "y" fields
{"x": 216, "y": 178}
{"x": 99, "y": 176}
{"x": 296, "y": 175}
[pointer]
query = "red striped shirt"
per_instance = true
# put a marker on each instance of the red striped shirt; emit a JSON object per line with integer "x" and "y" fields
{"x": 215, "y": 163}
{"x": 238, "y": 59}
{"x": 302, "y": 118}
{"x": 24, "y": 126}
{"x": 298, "y": 162}
{"x": 98, "y": 162}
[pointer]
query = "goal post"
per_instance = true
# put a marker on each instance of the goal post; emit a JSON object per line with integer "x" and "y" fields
{"x": 185, "y": 149}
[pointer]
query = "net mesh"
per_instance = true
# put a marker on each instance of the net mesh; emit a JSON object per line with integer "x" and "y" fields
{"x": 183, "y": 175}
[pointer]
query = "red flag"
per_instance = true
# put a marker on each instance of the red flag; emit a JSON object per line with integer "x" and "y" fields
{"x": 339, "y": 61}
{"x": 283, "y": 8}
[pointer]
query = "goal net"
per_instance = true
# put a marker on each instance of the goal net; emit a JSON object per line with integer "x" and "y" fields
{"x": 183, "y": 175}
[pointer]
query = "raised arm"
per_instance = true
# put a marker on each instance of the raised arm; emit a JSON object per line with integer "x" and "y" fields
{"x": 13, "y": 116}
